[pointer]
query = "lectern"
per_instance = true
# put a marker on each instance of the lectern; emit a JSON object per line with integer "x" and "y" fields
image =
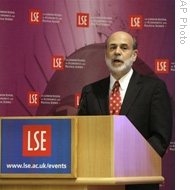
{"x": 75, "y": 153}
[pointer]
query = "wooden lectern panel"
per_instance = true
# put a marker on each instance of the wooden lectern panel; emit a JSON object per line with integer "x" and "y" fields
{"x": 133, "y": 155}
{"x": 95, "y": 147}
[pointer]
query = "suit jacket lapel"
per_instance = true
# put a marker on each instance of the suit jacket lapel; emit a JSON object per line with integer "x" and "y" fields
{"x": 134, "y": 87}
{"x": 103, "y": 96}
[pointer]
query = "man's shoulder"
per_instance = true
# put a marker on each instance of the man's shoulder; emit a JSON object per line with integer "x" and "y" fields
{"x": 147, "y": 78}
{"x": 99, "y": 84}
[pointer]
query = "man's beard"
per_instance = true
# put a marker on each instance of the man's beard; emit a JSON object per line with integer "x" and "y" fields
{"x": 123, "y": 69}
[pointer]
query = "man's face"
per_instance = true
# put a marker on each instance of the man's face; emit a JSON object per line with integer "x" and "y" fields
{"x": 120, "y": 54}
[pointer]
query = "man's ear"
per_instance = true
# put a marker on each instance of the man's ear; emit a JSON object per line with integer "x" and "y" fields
{"x": 135, "y": 53}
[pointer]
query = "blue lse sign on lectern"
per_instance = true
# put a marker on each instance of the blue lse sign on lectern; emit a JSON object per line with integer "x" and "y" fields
{"x": 35, "y": 146}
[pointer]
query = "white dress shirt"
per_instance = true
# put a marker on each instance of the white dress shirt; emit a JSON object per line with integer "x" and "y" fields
{"x": 124, "y": 82}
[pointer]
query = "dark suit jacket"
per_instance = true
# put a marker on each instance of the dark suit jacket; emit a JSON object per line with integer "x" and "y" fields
{"x": 146, "y": 104}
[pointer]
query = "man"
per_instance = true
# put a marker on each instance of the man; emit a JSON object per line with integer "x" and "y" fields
{"x": 144, "y": 100}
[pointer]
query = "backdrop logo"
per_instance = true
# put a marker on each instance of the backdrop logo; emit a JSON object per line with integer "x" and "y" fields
{"x": 135, "y": 22}
{"x": 162, "y": 66}
{"x": 36, "y": 140}
{"x": 33, "y": 98}
{"x": 35, "y": 16}
{"x": 57, "y": 62}
{"x": 82, "y": 20}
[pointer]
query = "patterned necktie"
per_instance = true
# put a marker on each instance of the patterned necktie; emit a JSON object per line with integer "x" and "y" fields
{"x": 115, "y": 99}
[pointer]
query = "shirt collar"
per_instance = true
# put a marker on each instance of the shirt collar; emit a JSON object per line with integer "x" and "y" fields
{"x": 122, "y": 80}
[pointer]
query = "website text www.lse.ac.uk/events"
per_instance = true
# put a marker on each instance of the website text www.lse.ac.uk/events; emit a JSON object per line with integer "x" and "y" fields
{"x": 37, "y": 166}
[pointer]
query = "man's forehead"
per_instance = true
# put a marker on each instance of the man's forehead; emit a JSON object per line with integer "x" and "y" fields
{"x": 118, "y": 44}
{"x": 120, "y": 40}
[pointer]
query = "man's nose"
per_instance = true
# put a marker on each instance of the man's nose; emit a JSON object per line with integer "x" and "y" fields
{"x": 118, "y": 51}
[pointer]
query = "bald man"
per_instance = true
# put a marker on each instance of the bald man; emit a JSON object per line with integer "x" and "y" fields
{"x": 144, "y": 100}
